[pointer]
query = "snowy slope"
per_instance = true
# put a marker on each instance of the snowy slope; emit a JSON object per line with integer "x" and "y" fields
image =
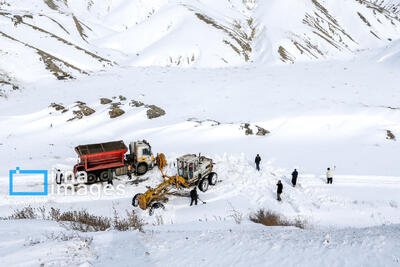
{"x": 316, "y": 113}
{"x": 353, "y": 222}
{"x": 195, "y": 245}
{"x": 78, "y": 37}
{"x": 390, "y": 55}
{"x": 229, "y": 96}
{"x": 391, "y": 5}
{"x": 310, "y": 30}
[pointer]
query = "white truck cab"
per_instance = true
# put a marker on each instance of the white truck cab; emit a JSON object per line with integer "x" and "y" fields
{"x": 142, "y": 158}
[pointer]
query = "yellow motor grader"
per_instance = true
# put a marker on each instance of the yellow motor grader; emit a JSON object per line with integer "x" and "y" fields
{"x": 193, "y": 170}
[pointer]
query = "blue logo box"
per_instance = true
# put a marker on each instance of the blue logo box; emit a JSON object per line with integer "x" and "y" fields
{"x": 19, "y": 171}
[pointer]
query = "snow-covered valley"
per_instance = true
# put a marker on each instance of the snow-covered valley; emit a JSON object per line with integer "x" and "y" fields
{"x": 305, "y": 84}
{"x": 318, "y": 115}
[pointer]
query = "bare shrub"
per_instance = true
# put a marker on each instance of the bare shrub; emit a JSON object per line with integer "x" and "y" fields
{"x": 120, "y": 225}
{"x": 54, "y": 214}
{"x": 159, "y": 220}
{"x": 84, "y": 221}
{"x": 24, "y": 213}
{"x": 135, "y": 221}
{"x": 132, "y": 221}
{"x": 67, "y": 236}
{"x": 80, "y": 220}
{"x": 271, "y": 218}
{"x": 236, "y": 215}
{"x": 42, "y": 211}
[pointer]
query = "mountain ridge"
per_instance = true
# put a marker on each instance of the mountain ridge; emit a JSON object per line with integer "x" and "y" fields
{"x": 68, "y": 38}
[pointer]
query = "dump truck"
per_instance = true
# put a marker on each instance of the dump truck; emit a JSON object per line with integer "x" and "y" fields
{"x": 193, "y": 170}
{"x": 100, "y": 160}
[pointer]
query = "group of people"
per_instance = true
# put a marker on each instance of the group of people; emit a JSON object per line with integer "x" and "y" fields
{"x": 279, "y": 185}
{"x": 295, "y": 174}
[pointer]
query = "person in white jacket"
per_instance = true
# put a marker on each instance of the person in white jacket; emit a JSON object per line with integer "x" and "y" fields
{"x": 329, "y": 175}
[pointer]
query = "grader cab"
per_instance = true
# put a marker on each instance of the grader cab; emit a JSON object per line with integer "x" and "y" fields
{"x": 193, "y": 171}
{"x": 197, "y": 170}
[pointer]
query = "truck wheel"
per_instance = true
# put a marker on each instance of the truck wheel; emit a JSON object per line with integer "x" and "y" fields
{"x": 135, "y": 200}
{"x": 91, "y": 178}
{"x": 141, "y": 169}
{"x": 80, "y": 176}
{"x": 213, "y": 178}
{"x": 203, "y": 185}
{"x": 104, "y": 176}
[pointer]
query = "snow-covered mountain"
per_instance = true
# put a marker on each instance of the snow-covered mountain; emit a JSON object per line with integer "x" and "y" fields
{"x": 307, "y": 84}
{"x": 71, "y": 37}
{"x": 391, "y": 5}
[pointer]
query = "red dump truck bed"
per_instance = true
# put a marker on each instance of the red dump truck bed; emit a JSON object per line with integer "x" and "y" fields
{"x": 101, "y": 156}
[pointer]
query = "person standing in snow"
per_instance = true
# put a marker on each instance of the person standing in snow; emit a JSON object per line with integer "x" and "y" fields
{"x": 329, "y": 175}
{"x": 279, "y": 190}
{"x": 110, "y": 177}
{"x": 257, "y": 161}
{"x": 129, "y": 172}
{"x": 294, "y": 177}
{"x": 194, "y": 196}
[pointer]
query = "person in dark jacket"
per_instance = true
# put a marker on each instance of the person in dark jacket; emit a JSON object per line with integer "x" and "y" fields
{"x": 110, "y": 177}
{"x": 294, "y": 177}
{"x": 194, "y": 196}
{"x": 279, "y": 190}
{"x": 257, "y": 161}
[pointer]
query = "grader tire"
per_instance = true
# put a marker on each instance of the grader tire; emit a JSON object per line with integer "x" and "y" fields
{"x": 203, "y": 185}
{"x": 135, "y": 200}
{"x": 141, "y": 169}
{"x": 213, "y": 178}
{"x": 104, "y": 176}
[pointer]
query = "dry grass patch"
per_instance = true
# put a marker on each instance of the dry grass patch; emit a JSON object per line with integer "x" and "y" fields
{"x": 271, "y": 218}
{"x": 132, "y": 221}
{"x": 24, "y": 213}
{"x": 80, "y": 220}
